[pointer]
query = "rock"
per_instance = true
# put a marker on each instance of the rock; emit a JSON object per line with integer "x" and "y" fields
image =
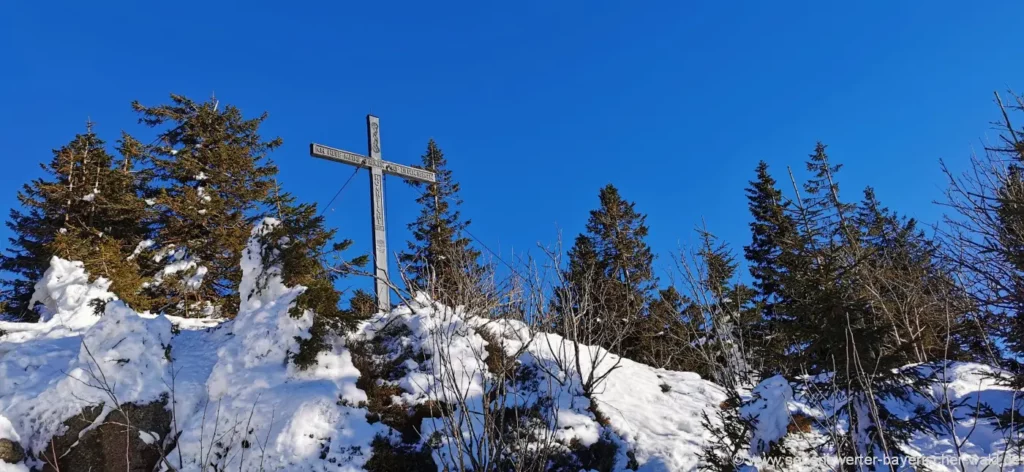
{"x": 107, "y": 447}
{"x": 11, "y": 452}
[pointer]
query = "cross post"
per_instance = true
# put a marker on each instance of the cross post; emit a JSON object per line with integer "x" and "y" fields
{"x": 378, "y": 167}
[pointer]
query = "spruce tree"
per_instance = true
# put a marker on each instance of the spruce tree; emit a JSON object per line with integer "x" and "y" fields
{"x": 89, "y": 207}
{"x": 613, "y": 262}
{"x": 362, "y": 304}
{"x": 834, "y": 292}
{"x": 583, "y": 286}
{"x": 440, "y": 258}
{"x": 824, "y": 307}
{"x": 1008, "y": 248}
{"x": 309, "y": 256}
{"x": 618, "y": 234}
{"x": 769, "y": 254}
{"x": 723, "y": 304}
{"x": 915, "y": 291}
{"x": 216, "y": 181}
{"x": 668, "y": 334}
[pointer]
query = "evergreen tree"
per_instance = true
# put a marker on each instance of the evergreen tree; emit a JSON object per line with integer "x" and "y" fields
{"x": 362, "y": 304}
{"x": 1008, "y": 247}
{"x": 835, "y": 291}
{"x": 89, "y": 207}
{"x": 769, "y": 254}
{"x": 440, "y": 257}
{"x": 582, "y": 281}
{"x": 614, "y": 264}
{"x": 915, "y": 293}
{"x": 669, "y": 335}
{"x": 722, "y": 303}
{"x": 617, "y": 232}
{"x": 304, "y": 249}
{"x": 818, "y": 286}
{"x": 216, "y": 182}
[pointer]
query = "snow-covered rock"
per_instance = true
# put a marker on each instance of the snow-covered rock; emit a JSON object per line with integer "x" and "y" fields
{"x": 246, "y": 406}
{"x": 768, "y": 410}
{"x": 239, "y": 402}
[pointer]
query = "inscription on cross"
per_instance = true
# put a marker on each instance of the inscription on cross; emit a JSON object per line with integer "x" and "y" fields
{"x": 378, "y": 167}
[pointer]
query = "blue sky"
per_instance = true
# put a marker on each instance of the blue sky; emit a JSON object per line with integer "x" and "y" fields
{"x": 536, "y": 104}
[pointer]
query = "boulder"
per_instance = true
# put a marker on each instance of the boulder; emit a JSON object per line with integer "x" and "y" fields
{"x": 11, "y": 452}
{"x": 112, "y": 446}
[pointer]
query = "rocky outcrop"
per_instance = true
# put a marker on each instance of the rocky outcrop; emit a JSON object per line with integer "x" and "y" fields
{"x": 11, "y": 452}
{"x": 128, "y": 439}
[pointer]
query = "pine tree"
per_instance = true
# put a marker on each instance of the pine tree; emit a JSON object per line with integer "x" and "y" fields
{"x": 723, "y": 304}
{"x": 308, "y": 256}
{"x": 217, "y": 181}
{"x": 836, "y": 292}
{"x": 440, "y": 257}
{"x": 769, "y": 254}
{"x": 583, "y": 283}
{"x": 614, "y": 263}
{"x": 88, "y": 208}
{"x": 1009, "y": 247}
{"x": 362, "y": 304}
{"x": 915, "y": 291}
{"x": 669, "y": 335}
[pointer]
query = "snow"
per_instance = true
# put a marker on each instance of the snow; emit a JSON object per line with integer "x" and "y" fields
{"x": 142, "y": 246}
{"x": 769, "y": 410}
{"x": 74, "y": 357}
{"x": 230, "y": 380}
{"x": 180, "y": 263}
{"x": 7, "y": 430}
{"x": 148, "y": 437}
{"x": 246, "y": 390}
{"x": 63, "y": 293}
{"x": 238, "y": 400}
{"x": 661, "y": 429}
{"x": 201, "y": 191}
{"x": 5, "y": 467}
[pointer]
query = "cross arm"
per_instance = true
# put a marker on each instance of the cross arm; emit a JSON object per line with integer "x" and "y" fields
{"x": 337, "y": 155}
{"x": 358, "y": 160}
{"x": 410, "y": 173}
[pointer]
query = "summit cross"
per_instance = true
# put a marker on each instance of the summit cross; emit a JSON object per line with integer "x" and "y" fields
{"x": 378, "y": 167}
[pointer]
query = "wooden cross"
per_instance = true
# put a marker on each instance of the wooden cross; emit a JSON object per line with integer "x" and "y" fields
{"x": 378, "y": 167}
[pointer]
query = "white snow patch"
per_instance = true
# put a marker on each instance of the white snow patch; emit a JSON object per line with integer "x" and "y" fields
{"x": 148, "y": 437}
{"x": 769, "y": 409}
{"x": 5, "y": 467}
{"x": 201, "y": 191}
{"x": 142, "y": 246}
{"x": 76, "y": 358}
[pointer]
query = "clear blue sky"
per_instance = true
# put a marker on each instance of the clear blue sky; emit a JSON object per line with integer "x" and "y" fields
{"x": 536, "y": 104}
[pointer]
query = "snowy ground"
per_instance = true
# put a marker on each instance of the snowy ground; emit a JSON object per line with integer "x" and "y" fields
{"x": 239, "y": 403}
{"x": 235, "y": 399}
